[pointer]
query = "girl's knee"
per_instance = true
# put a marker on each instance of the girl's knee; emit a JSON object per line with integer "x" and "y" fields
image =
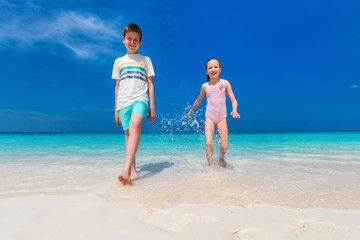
{"x": 209, "y": 145}
{"x": 224, "y": 149}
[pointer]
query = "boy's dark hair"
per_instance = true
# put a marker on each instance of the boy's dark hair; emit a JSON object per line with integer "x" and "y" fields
{"x": 132, "y": 27}
{"x": 208, "y": 78}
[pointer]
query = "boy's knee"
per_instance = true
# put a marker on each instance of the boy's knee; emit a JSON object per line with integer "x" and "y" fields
{"x": 127, "y": 132}
{"x": 135, "y": 123}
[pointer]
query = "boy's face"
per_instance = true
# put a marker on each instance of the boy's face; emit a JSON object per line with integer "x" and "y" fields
{"x": 132, "y": 42}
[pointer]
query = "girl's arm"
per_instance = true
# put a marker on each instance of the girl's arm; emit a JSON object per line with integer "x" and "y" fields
{"x": 117, "y": 117}
{"x": 198, "y": 100}
{"x": 234, "y": 103}
{"x": 151, "y": 113}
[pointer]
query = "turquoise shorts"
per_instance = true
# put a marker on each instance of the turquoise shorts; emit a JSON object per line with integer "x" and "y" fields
{"x": 125, "y": 113}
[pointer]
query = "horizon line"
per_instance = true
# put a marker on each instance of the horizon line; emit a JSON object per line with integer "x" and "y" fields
{"x": 156, "y": 132}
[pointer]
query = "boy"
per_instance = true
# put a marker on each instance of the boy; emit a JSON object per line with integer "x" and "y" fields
{"x": 134, "y": 76}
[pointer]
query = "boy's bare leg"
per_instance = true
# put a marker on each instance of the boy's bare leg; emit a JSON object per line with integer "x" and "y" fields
{"x": 132, "y": 144}
{"x": 209, "y": 137}
{"x": 224, "y": 142}
{"x": 133, "y": 173}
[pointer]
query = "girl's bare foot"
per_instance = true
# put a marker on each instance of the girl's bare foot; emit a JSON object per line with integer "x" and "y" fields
{"x": 223, "y": 163}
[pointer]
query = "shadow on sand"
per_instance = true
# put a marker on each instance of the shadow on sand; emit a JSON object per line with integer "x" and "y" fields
{"x": 153, "y": 168}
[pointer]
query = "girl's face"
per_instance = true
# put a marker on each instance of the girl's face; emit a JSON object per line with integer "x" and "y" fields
{"x": 213, "y": 68}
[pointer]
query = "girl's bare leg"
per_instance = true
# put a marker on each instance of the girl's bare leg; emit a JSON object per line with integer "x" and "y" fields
{"x": 224, "y": 142}
{"x": 209, "y": 137}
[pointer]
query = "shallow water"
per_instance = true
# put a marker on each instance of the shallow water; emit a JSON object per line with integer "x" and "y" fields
{"x": 284, "y": 169}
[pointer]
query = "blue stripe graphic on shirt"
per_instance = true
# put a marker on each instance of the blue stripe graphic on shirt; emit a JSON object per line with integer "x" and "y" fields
{"x": 133, "y": 72}
{"x": 132, "y": 76}
{"x": 132, "y": 67}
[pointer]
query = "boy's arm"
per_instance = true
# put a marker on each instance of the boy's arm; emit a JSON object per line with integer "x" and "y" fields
{"x": 117, "y": 117}
{"x": 151, "y": 114}
{"x": 197, "y": 101}
{"x": 234, "y": 103}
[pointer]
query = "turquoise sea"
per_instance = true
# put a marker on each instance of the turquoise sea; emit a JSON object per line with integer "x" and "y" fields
{"x": 301, "y": 169}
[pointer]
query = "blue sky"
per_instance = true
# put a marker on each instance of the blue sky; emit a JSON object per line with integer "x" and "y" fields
{"x": 293, "y": 65}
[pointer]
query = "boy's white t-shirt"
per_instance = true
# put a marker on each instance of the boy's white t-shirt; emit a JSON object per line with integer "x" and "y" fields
{"x": 132, "y": 70}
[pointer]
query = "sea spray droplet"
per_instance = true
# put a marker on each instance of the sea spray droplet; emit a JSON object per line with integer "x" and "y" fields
{"x": 194, "y": 122}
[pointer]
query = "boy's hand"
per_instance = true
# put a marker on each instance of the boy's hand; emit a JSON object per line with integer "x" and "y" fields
{"x": 235, "y": 114}
{"x": 151, "y": 115}
{"x": 117, "y": 118}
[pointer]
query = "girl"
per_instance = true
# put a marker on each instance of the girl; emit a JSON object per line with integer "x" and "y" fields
{"x": 215, "y": 90}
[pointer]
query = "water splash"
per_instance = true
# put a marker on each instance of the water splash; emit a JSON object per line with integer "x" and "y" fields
{"x": 177, "y": 122}
{"x": 194, "y": 122}
{"x": 174, "y": 129}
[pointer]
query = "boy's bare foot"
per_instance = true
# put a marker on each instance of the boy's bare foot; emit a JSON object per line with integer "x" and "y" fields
{"x": 124, "y": 180}
{"x": 133, "y": 174}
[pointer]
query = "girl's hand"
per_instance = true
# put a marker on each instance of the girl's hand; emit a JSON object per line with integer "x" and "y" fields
{"x": 188, "y": 115}
{"x": 117, "y": 118}
{"x": 235, "y": 114}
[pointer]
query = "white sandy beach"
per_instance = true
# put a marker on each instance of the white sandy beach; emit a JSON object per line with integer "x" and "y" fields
{"x": 89, "y": 216}
{"x": 303, "y": 187}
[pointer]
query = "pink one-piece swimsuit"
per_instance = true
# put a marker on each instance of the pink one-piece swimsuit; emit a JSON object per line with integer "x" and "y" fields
{"x": 216, "y": 102}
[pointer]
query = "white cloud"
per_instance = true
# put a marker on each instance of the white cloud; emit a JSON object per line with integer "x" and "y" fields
{"x": 85, "y": 34}
{"x": 354, "y": 86}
